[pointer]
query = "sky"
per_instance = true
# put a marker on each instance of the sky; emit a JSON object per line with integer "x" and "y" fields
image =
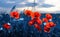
{"x": 40, "y": 5}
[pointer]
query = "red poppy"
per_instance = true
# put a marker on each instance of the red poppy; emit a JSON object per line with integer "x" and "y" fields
{"x": 47, "y": 25}
{"x": 6, "y": 26}
{"x": 37, "y": 27}
{"x": 45, "y": 20}
{"x": 46, "y": 29}
{"x": 15, "y": 14}
{"x": 37, "y": 14}
{"x": 51, "y": 24}
{"x": 31, "y": 22}
{"x": 32, "y": 15}
{"x": 28, "y": 12}
{"x": 48, "y": 16}
{"x": 39, "y": 21}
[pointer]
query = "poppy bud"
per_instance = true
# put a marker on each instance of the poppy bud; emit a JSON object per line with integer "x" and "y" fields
{"x": 48, "y": 16}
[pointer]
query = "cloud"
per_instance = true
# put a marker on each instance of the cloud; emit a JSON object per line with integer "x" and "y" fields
{"x": 41, "y": 5}
{"x": 22, "y": 8}
{"x": 22, "y": 3}
{"x": 40, "y": 1}
{"x": 51, "y": 9}
{"x": 49, "y": 6}
{"x": 4, "y": 10}
{"x": 53, "y": 2}
{"x": 30, "y": 1}
{"x": 26, "y": 5}
{"x": 41, "y": 10}
{"x": 45, "y": 5}
{"x": 31, "y": 4}
{"x": 10, "y": 2}
{"x": 37, "y": 1}
{"x": 6, "y": 5}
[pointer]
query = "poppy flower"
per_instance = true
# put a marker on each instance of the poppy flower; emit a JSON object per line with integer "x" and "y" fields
{"x": 32, "y": 15}
{"x": 6, "y": 26}
{"x": 48, "y": 16}
{"x": 39, "y": 21}
{"x": 37, "y": 14}
{"x": 37, "y": 27}
{"x": 28, "y": 12}
{"x": 45, "y": 20}
{"x": 15, "y": 14}
{"x": 51, "y": 24}
{"x": 46, "y": 29}
{"x": 47, "y": 25}
{"x": 31, "y": 22}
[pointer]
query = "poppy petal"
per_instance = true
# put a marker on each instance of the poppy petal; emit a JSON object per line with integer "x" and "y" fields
{"x": 48, "y": 16}
{"x": 15, "y": 14}
{"x": 6, "y": 26}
